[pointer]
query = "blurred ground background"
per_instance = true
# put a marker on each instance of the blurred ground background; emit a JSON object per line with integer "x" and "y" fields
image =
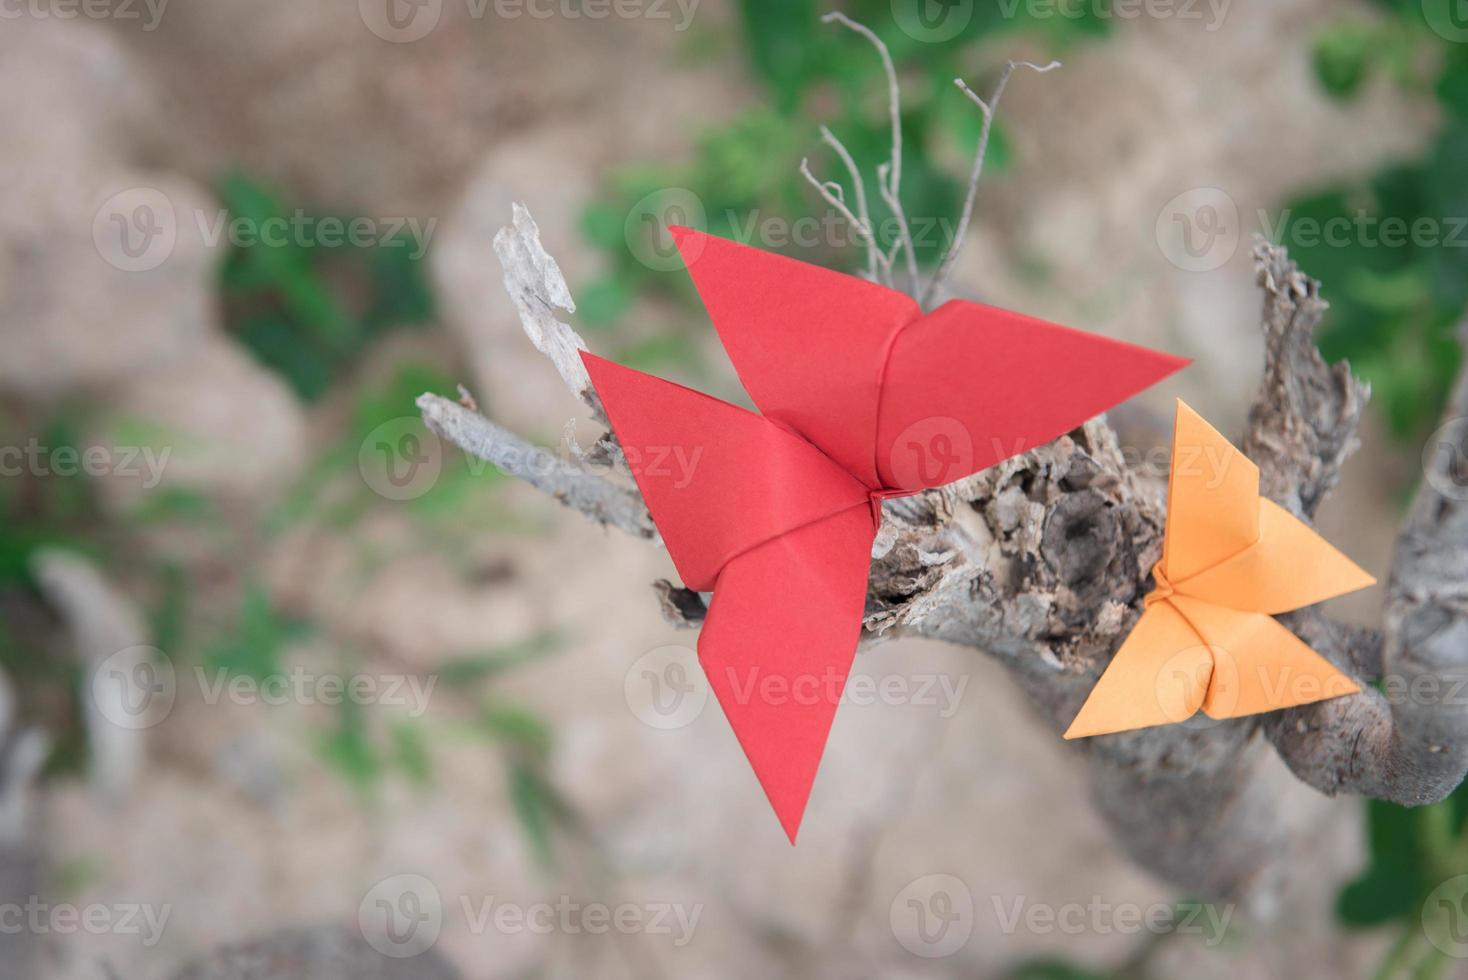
{"x": 262, "y": 505}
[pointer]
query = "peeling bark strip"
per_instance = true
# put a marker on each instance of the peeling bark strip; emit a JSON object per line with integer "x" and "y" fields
{"x": 1042, "y": 562}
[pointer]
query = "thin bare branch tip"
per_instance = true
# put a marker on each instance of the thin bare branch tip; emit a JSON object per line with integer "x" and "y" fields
{"x": 890, "y": 180}
{"x": 989, "y": 109}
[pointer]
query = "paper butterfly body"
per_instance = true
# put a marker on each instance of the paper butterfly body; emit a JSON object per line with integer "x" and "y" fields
{"x": 864, "y": 397}
{"x": 1230, "y": 560}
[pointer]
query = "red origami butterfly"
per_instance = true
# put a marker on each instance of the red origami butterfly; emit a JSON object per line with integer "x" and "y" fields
{"x": 864, "y": 397}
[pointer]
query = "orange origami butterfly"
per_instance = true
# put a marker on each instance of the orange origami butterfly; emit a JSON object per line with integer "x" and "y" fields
{"x": 1230, "y": 561}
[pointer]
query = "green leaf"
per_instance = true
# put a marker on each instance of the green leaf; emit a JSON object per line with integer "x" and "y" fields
{"x": 412, "y": 752}
{"x": 517, "y": 728}
{"x": 535, "y": 809}
{"x": 1053, "y": 969}
{"x": 475, "y": 667}
{"x": 347, "y": 749}
{"x": 603, "y": 301}
{"x": 780, "y": 35}
{"x": 254, "y": 647}
{"x": 1399, "y": 872}
{"x": 1342, "y": 56}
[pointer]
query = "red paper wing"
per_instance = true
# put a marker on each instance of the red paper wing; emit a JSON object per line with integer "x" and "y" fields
{"x": 718, "y": 479}
{"x": 970, "y": 385}
{"x": 808, "y": 343}
{"x": 777, "y": 647}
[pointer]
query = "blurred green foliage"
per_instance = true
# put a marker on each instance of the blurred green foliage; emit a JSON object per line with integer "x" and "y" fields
{"x": 744, "y": 174}
{"x": 306, "y": 302}
{"x": 1410, "y": 853}
{"x": 1394, "y": 305}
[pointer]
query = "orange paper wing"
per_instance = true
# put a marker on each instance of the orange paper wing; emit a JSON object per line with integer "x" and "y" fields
{"x": 1212, "y": 499}
{"x": 1158, "y": 677}
{"x": 1289, "y": 567}
{"x": 1258, "y": 664}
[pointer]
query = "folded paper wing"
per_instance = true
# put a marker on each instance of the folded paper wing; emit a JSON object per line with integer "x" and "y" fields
{"x": 781, "y": 535}
{"x": 777, "y": 648}
{"x": 718, "y": 479}
{"x": 1231, "y": 560}
{"x": 862, "y": 396}
{"x": 969, "y": 385}
{"x": 808, "y": 342}
{"x": 903, "y": 400}
{"x": 1159, "y": 677}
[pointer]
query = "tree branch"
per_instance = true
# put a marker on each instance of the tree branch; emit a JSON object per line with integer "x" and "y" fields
{"x": 1042, "y": 562}
{"x": 1410, "y": 744}
{"x": 889, "y": 176}
{"x": 981, "y": 152}
{"x": 572, "y": 484}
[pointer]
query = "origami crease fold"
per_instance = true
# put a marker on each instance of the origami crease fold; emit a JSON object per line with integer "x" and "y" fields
{"x": 1207, "y": 637}
{"x": 863, "y": 397}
